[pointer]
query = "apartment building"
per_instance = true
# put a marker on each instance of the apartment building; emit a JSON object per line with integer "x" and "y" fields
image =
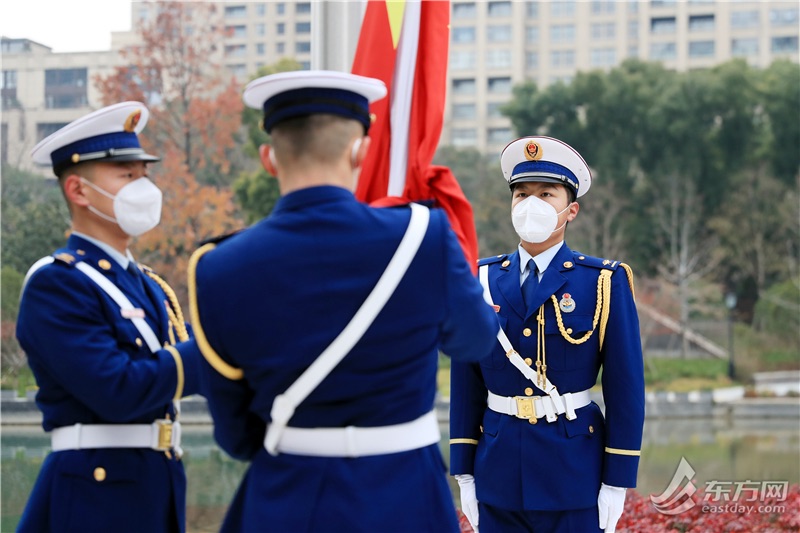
{"x": 495, "y": 44}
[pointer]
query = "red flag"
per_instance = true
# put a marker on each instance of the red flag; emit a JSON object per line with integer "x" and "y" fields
{"x": 405, "y": 44}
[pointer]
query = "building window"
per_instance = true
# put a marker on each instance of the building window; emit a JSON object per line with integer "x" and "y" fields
{"x": 498, "y": 34}
{"x": 701, "y": 23}
{"x": 701, "y": 48}
{"x": 603, "y": 57}
{"x": 302, "y": 27}
{"x": 464, "y": 86}
{"x": 562, "y": 8}
{"x": 302, "y": 47}
{"x": 744, "y": 19}
{"x": 236, "y": 32}
{"x": 65, "y": 88}
{"x": 462, "y": 59}
{"x": 562, "y": 33}
{"x": 664, "y": 25}
{"x": 602, "y": 7}
{"x": 8, "y": 87}
{"x": 493, "y": 109}
{"x": 662, "y": 51}
{"x": 633, "y": 50}
{"x": 744, "y": 47}
{"x": 603, "y": 30}
{"x": 261, "y": 29}
{"x": 303, "y": 7}
{"x": 305, "y": 65}
{"x": 280, "y": 8}
{"x": 280, "y": 28}
{"x": 498, "y": 135}
{"x": 499, "y": 85}
{"x": 235, "y": 11}
{"x": 464, "y": 111}
{"x": 45, "y": 129}
{"x": 531, "y": 59}
{"x": 261, "y": 9}
{"x": 466, "y": 10}
{"x": 562, "y": 58}
{"x": 280, "y": 48}
{"x": 498, "y": 58}
{"x": 783, "y": 17}
{"x": 464, "y": 34}
{"x": 784, "y": 44}
{"x": 465, "y": 137}
{"x": 238, "y": 71}
{"x": 532, "y": 34}
{"x": 499, "y": 9}
{"x": 633, "y": 29}
{"x": 261, "y": 49}
{"x": 235, "y": 50}
{"x": 662, "y": 3}
{"x": 532, "y": 9}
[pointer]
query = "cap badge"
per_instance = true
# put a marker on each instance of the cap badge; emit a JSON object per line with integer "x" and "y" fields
{"x": 533, "y": 151}
{"x": 567, "y": 304}
{"x": 133, "y": 119}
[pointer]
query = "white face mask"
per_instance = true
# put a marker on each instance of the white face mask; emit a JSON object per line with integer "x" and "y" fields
{"x": 535, "y": 220}
{"x": 137, "y": 206}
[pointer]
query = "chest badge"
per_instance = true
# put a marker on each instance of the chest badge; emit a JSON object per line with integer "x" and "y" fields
{"x": 567, "y": 304}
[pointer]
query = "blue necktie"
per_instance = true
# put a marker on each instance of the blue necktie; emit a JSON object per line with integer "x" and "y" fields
{"x": 133, "y": 270}
{"x": 531, "y": 282}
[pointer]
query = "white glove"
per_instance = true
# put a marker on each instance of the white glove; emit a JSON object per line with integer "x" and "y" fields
{"x": 610, "y": 503}
{"x": 469, "y": 501}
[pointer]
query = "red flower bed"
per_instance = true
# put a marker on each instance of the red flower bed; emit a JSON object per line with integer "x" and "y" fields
{"x": 762, "y": 514}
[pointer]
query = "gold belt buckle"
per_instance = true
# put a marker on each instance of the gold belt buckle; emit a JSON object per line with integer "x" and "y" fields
{"x": 526, "y": 408}
{"x": 164, "y": 434}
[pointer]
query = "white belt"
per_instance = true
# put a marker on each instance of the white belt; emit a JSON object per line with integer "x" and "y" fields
{"x": 354, "y": 441}
{"x": 534, "y": 407}
{"x": 161, "y": 435}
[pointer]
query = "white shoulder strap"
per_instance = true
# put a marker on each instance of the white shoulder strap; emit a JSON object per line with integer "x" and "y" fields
{"x": 110, "y": 289}
{"x": 513, "y": 355}
{"x": 285, "y": 404}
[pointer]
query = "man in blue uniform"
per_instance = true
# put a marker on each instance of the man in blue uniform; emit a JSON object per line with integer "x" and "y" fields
{"x": 98, "y": 331}
{"x": 528, "y": 448}
{"x": 321, "y": 326}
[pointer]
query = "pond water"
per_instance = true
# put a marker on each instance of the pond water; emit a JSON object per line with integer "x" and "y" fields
{"x": 717, "y": 449}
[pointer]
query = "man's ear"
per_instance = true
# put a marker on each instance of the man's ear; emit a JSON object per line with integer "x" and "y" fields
{"x": 362, "y": 151}
{"x": 267, "y": 155}
{"x": 74, "y": 190}
{"x": 574, "y": 207}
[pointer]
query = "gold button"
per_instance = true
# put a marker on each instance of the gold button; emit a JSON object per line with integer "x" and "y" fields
{"x": 532, "y": 420}
{"x": 104, "y": 264}
{"x": 99, "y": 474}
{"x": 591, "y": 429}
{"x": 138, "y": 342}
{"x": 505, "y": 263}
{"x": 526, "y": 332}
{"x": 528, "y": 391}
{"x": 568, "y": 264}
{"x": 81, "y": 252}
{"x": 528, "y": 361}
{"x": 569, "y": 330}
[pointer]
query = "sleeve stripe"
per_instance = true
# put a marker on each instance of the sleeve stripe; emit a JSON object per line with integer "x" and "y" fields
{"x": 619, "y": 451}
{"x": 178, "y": 370}
{"x": 463, "y": 441}
{"x": 208, "y": 352}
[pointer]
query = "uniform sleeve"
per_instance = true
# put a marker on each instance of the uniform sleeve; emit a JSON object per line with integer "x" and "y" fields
{"x": 467, "y": 405}
{"x": 64, "y": 326}
{"x": 236, "y": 429}
{"x": 470, "y": 324}
{"x": 623, "y": 386}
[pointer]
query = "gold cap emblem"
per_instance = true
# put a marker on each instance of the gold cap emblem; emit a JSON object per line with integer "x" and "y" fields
{"x": 533, "y": 151}
{"x": 132, "y": 121}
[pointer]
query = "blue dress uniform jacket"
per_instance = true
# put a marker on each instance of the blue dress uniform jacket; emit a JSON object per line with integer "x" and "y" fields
{"x": 93, "y": 367}
{"x": 560, "y": 465}
{"x": 273, "y": 297}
